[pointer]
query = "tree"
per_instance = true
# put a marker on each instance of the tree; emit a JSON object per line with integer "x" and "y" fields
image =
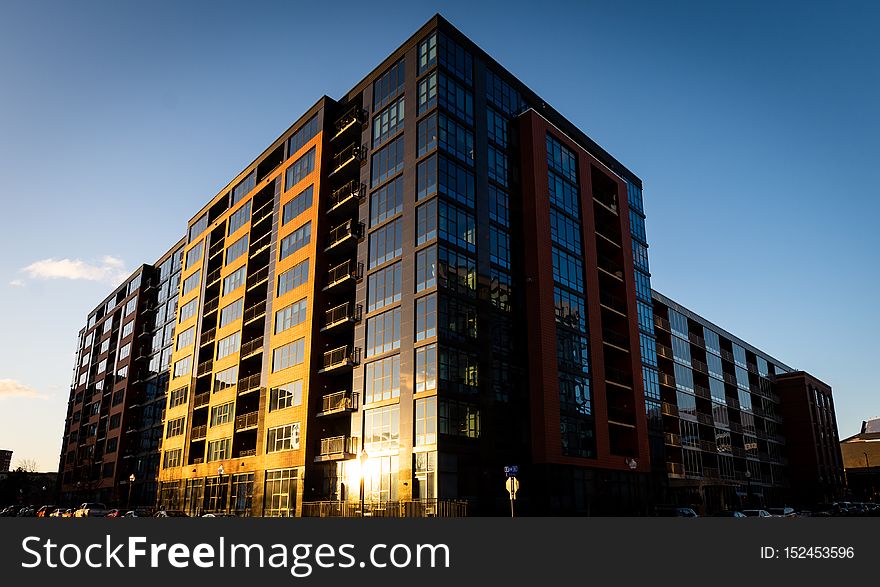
{"x": 26, "y": 466}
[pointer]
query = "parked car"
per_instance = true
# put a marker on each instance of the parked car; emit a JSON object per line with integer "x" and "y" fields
{"x": 45, "y": 510}
{"x": 757, "y": 514}
{"x": 114, "y": 513}
{"x": 783, "y": 512}
{"x": 138, "y": 513}
{"x": 217, "y": 515}
{"x": 57, "y": 513}
{"x": 675, "y": 512}
{"x": 10, "y": 511}
{"x": 170, "y": 514}
{"x": 27, "y": 512}
{"x": 91, "y": 510}
{"x": 68, "y": 513}
{"x": 729, "y": 514}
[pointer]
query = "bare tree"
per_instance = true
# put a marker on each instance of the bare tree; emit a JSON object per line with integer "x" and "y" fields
{"x": 26, "y": 466}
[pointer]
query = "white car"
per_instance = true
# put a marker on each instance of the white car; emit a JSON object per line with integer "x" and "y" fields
{"x": 91, "y": 510}
{"x": 757, "y": 513}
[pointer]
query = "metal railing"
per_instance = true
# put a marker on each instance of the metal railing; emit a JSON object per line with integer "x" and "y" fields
{"x": 251, "y": 347}
{"x": 341, "y": 356}
{"x": 352, "y": 116}
{"x": 350, "y": 153}
{"x": 339, "y": 402}
{"x": 346, "y": 270}
{"x": 258, "y": 277}
{"x": 424, "y": 508}
{"x": 335, "y": 445}
{"x": 204, "y": 367}
{"x": 610, "y": 266}
{"x": 353, "y": 190}
{"x": 199, "y": 432}
{"x": 249, "y": 383}
{"x": 661, "y": 322}
{"x": 213, "y": 277}
{"x": 615, "y": 338}
{"x": 255, "y": 311}
{"x": 668, "y": 409}
{"x": 675, "y": 469}
{"x": 672, "y": 439}
{"x": 246, "y": 421}
{"x": 342, "y": 313}
{"x": 345, "y": 231}
{"x": 609, "y": 201}
{"x": 211, "y": 305}
{"x": 208, "y": 336}
{"x": 248, "y": 453}
{"x": 201, "y": 399}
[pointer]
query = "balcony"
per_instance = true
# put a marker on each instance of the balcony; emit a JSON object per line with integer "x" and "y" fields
{"x": 254, "y": 312}
{"x": 669, "y": 409}
{"x": 216, "y": 248}
{"x": 211, "y": 306}
{"x": 711, "y": 473}
{"x": 263, "y": 212}
{"x": 616, "y": 339}
{"x": 353, "y": 116}
{"x": 338, "y": 403}
{"x": 345, "y": 273}
{"x": 336, "y": 448}
{"x": 672, "y": 439}
{"x": 661, "y": 323}
{"x": 353, "y": 191}
{"x": 261, "y": 244}
{"x": 708, "y": 446}
{"x": 251, "y": 348}
{"x": 618, "y": 377}
{"x": 208, "y": 336}
{"x": 348, "y": 232}
{"x": 249, "y": 384}
{"x": 346, "y": 313}
{"x": 610, "y": 267}
{"x": 212, "y": 278}
{"x": 705, "y": 419}
{"x": 199, "y": 432}
{"x": 699, "y": 365}
{"x": 252, "y": 452}
{"x": 666, "y": 379}
{"x": 201, "y": 400}
{"x": 340, "y": 358}
{"x": 702, "y": 391}
{"x": 246, "y": 421}
{"x": 664, "y": 351}
{"x": 696, "y": 339}
{"x": 257, "y": 278}
{"x": 346, "y": 157}
{"x": 204, "y": 368}
{"x": 675, "y": 470}
{"x": 609, "y": 301}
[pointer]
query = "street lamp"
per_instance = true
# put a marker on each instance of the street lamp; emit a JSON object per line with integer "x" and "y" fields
{"x": 868, "y": 473}
{"x": 130, "y": 485}
{"x": 749, "y": 488}
{"x": 220, "y": 472}
{"x": 364, "y": 458}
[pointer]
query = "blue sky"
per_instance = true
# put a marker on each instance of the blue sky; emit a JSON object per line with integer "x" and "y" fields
{"x": 752, "y": 124}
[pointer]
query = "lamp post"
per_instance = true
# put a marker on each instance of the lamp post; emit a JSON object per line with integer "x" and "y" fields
{"x": 749, "y": 488}
{"x": 363, "y": 460}
{"x": 130, "y": 485}
{"x": 220, "y": 495}
{"x": 868, "y": 472}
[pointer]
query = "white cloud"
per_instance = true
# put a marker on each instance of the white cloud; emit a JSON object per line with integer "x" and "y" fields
{"x": 16, "y": 283}
{"x": 13, "y": 388}
{"x": 107, "y": 268}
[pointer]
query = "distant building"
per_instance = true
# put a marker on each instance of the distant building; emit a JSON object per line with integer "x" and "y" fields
{"x": 5, "y": 460}
{"x": 861, "y": 460}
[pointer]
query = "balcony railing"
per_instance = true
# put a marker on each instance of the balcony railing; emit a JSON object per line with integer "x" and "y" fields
{"x": 610, "y": 266}
{"x": 350, "y": 192}
{"x": 618, "y": 377}
{"x": 216, "y": 248}
{"x": 699, "y": 365}
{"x": 258, "y": 277}
{"x": 347, "y": 271}
{"x": 247, "y": 453}
{"x": 260, "y": 244}
{"x": 702, "y": 391}
{"x": 661, "y": 323}
{"x": 341, "y": 357}
{"x": 204, "y": 367}
{"x": 675, "y": 470}
{"x": 615, "y": 338}
{"x": 199, "y": 432}
{"x": 213, "y": 277}
{"x": 696, "y": 339}
{"x": 249, "y": 383}
{"x": 211, "y": 305}
{"x": 201, "y": 399}
{"x": 348, "y": 231}
{"x": 669, "y": 409}
{"x": 666, "y": 379}
{"x": 254, "y": 312}
{"x": 263, "y": 212}
{"x": 672, "y": 439}
{"x": 341, "y": 401}
{"x": 423, "y": 508}
{"x": 251, "y": 347}
{"x": 246, "y": 421}
{"x": 336, "y": 447}
{"x": 341, "y": 314}
{"x": 607, "y": 201}
{"x": 208, "y": 336}
{"x": 346, "y": 156}
{"x": 612, "y": 302}
{"x": 664, "y": 351}
{"x": 354, "y": 115}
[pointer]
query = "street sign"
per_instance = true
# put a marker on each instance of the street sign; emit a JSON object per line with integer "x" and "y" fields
{"x": 511, "y": 470}
{"x": 512, "y": 487}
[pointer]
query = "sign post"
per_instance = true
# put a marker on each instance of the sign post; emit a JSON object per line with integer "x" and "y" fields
{"x": 512, "y": 484}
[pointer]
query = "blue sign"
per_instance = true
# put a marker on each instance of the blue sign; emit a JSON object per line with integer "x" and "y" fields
{"x": 511, "y": 470}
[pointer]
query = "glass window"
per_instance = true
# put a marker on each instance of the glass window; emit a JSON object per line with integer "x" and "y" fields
{"x": 502, "y": 95}
{"x": 184, "y": 339}
{"x": 428, "y": 53}
{"x": 382, "y": 379}
{"x": 188, "y": 310}
{"x": 457, "y": 226}
{"x": 300, "y": 169}
{"x": 191, "y": 282}
{"x": 389, "y": 85}
{"x": 427, "y": 93}
{"x": 298, "y": 205}
{"x": 387, "y": 161}
{"x": 427, "y": 135}
{"x": 231, "y": 312}
{"x": 240, "y": 217}
{"x": 456, "y": 59}
{"x": 279, "y": 495}
{"x": 285, "y": 396}
{"x": 293, "y": 277}
{"x": 426, "y": 178}
{"x": 386, "y": 202}
{"x": 219, "y": 450}
{"x": 295, "y": 240}
{"x": 426, "y": 268}
{"x": 568, "y": 270}
{"x": 195, "y": 254}
{"x": 234, "y": 280}
{"x": 455, "y": 139}
{"x": 498, "y": 167}
{"x": 228, "y": 345}
{"x": 563, "y": 194}
{"x": 456, "y": 182}
{"x": 497, "y": 128}
{"x": 456, "y": 99}
{"x": 383, "y": 332}
{"x": 302, "y": 136}
{"x": 457, "y": 418}
{"x": 458, "y": 370}
{"x": 561, "y": 159}
{"x": 243, "y": 187}
{"x": 384, "y": 287}
{"x": 198, "y": 227}
{"x": 226, "y": 378}
{"x": 457, "y": 272}
{"x": 175, "y": 427}
{"x": 388, "y": 122}
{"x": 499, "y": 207}
{"x": 283, "y": 438}
{"x": 426, "y": 317}
{"x": 381, "y": 429}
{"x": 290, "y": 316}
{"x": 386, "y": 243}
{"x": 426, "y": 421}
{"x": 426, "y": 222}
{"x": 289, "y": 355}
{"x": 458, "y": 319}
{"x": 183, "y": 366}
{"x": 236, "y": 249}
{"x": 222, "y": 414}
